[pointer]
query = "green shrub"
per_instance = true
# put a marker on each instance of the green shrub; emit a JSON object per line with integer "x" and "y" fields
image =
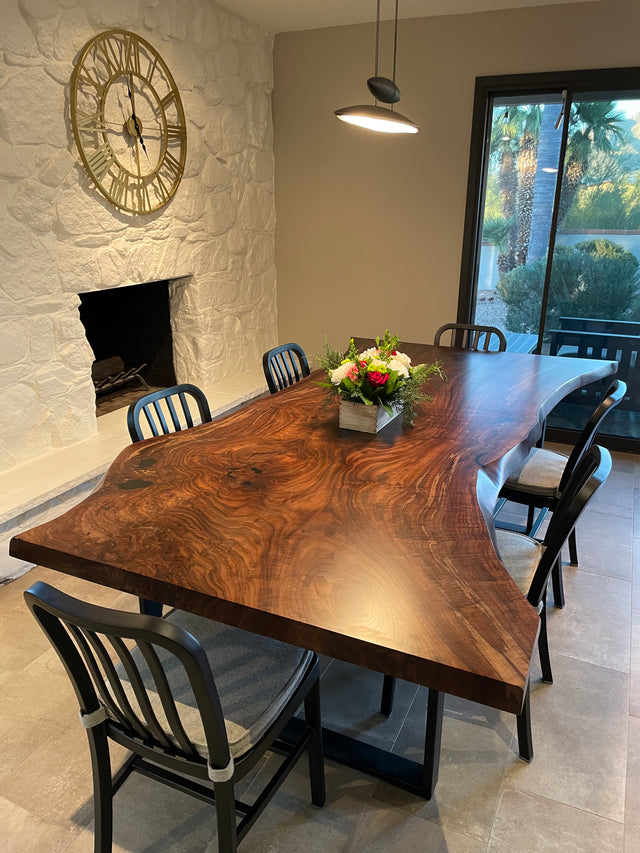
{"x": 596, "y": 278}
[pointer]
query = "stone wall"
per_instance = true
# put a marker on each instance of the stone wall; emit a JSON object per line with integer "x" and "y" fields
{"x": 59, "y": 237}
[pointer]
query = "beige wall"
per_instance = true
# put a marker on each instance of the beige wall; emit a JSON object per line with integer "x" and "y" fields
{"x": 369, "y": 227}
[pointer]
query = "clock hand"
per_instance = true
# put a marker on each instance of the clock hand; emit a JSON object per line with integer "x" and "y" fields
{"x": 135, "y": 118}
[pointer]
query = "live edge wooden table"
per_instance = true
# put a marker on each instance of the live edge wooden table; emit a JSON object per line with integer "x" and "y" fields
{"x": 375, "y": 549}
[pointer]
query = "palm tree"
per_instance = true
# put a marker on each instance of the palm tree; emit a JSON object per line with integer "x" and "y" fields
{"x": 594, "y": 126}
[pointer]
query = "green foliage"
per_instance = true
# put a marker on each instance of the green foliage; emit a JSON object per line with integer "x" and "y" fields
{"x": 610, "y": 206}
{"x": 380, "y": 375}
{"x": 596, "y": 278}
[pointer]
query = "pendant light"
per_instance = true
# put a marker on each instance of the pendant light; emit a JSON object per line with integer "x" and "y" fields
{"x": 373, "y": 117}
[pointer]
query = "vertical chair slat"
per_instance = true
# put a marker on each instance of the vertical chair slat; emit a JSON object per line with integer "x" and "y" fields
{"x": 166, "y": 697}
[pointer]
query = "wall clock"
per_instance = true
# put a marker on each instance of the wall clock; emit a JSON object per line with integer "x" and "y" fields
{"x": 128, "y": 121}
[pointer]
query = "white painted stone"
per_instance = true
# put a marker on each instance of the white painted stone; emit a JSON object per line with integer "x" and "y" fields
{"x": 57, "y": 169}
{"x": 32, "y": 109}
{"x": 15, "y": 161}
{"x": 255, "y": 208}
{"x": 261, "y": 165}
{"x": 220, "y": 211}
{"x": 41, "y": 339}
{"x": 60, "y": 237}
{"x": 116, "y": 14}
{"x": 17, "y": 38}
{"x": 33, "y": 203}
{"x": 13, "y": 343}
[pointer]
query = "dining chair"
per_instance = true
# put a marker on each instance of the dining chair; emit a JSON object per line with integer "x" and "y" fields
{"x": 539, "y": 481}
{"x": 530, "y": 564}
{"x": 196, "y": 703}
{"x": 284, "y": 365}
{"x": 471, "y": 336}
{"x": 167, "y": 410}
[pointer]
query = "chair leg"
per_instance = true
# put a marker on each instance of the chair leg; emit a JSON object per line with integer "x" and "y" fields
{"x": 557, "y": 583}
{"x": 531, "y": 514}
{"x": 102, "y": 791}
{"x": 316, "y": 760}
{"x": 573, "y": 548}
{"x": 226, "y": 817}
{"x": 388, "y": 691}
{"x": 543, "y": 648}
{"x": 523, "y": 725}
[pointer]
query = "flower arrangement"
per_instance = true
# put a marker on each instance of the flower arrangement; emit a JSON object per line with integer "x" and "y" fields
{"x": 380, "y": 375}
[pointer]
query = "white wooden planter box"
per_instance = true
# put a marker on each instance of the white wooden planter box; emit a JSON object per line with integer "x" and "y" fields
{"x": 363, "y": 418}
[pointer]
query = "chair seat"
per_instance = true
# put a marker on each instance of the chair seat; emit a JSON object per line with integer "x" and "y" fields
{"x": 539, "y": 474}
{"x": 255, "y": 677}
{"x": 520, "y": 555}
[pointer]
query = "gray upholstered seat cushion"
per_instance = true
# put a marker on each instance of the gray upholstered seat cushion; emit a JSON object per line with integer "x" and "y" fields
{"x": 254, "y": 675}
{"x": 520, "y": 555}
{"x": 540, "y": 473}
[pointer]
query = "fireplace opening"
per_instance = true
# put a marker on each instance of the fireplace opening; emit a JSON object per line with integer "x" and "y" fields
{"x": 129, "y": 330}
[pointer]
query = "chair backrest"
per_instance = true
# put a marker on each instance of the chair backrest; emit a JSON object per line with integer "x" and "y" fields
{"x": 611, "y": 399}
{"x": 284, "y": 365}
{"x": 586, "y": 478}
{"x": 469, "y": 336}
{"x": 168, "y": 410}
{"x": 121, "y": 665}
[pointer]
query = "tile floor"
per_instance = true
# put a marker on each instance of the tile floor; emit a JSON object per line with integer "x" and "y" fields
{"x": 581, "y": 793}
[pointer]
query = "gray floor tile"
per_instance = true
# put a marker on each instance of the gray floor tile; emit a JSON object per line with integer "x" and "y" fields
{"x": 592, "y": 530}
{"x": 24, "y": 832}
{"x": 634, "y": 668}
{"x": 595, "y": 624}
{"x": 580, "y": 739}
{"x": 476, "y": 745}
{"x": 351, "y": 703}
{"x": 632, "y": 805}
{"x": 526, "y": 823}
{"x": 616, "y": 495}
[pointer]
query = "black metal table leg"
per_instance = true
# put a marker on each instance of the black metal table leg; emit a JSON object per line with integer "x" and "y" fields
{"x": 419, "y": 779}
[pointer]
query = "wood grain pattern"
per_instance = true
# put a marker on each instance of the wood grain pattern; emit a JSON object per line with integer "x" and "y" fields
{"x": 372, "y": 548}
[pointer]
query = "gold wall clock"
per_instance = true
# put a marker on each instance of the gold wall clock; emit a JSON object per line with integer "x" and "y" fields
{"x": 128, "y": 121}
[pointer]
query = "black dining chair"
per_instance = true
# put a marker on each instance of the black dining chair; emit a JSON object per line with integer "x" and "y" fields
{"x": 471, "y": 336}
{"x": 531, "y": 563}
{"x": 540, "y": 480}
{"x": 167, "y": 410}
{"x": 284, "y": 365}
{"x": 196, "y": 703}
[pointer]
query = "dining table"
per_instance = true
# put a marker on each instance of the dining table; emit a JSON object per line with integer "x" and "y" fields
{"x": 376, "y": 549}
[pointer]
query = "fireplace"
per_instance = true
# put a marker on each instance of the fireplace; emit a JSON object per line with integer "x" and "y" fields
{"x": 129, "y": 328}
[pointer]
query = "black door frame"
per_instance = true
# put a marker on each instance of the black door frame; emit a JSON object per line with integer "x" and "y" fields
{"x": 614, "y": 80}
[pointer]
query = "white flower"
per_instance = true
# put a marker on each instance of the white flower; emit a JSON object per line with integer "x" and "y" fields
{"x": 402, "y": 358}
{"x": 341, "y": 372}
{"x": 400, "y": 368}
{"x": 372, "y": 352}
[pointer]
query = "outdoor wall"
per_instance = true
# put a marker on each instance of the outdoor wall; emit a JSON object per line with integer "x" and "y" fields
{"x": 369, "y": 227}
{"x": 59, "y": 237}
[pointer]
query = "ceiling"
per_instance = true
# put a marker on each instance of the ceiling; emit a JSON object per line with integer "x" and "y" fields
{"x": 277, "y": 16}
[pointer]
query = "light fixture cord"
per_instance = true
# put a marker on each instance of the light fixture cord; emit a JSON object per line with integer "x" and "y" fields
{"x": 375, "y": 70}
{"x": 395, "y": 47}
{"x": 395, "y": 43}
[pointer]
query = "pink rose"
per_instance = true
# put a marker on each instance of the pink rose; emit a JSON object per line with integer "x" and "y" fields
{"x": 377, "y": 378}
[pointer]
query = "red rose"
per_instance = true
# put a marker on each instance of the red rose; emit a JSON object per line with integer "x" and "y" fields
{"x": 377, "y": 378}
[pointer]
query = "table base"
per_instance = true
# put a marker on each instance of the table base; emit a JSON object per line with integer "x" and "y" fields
{"x": 419, "y": 779}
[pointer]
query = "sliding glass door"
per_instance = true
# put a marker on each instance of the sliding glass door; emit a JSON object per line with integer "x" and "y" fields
{"x": 552, "y": 233}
